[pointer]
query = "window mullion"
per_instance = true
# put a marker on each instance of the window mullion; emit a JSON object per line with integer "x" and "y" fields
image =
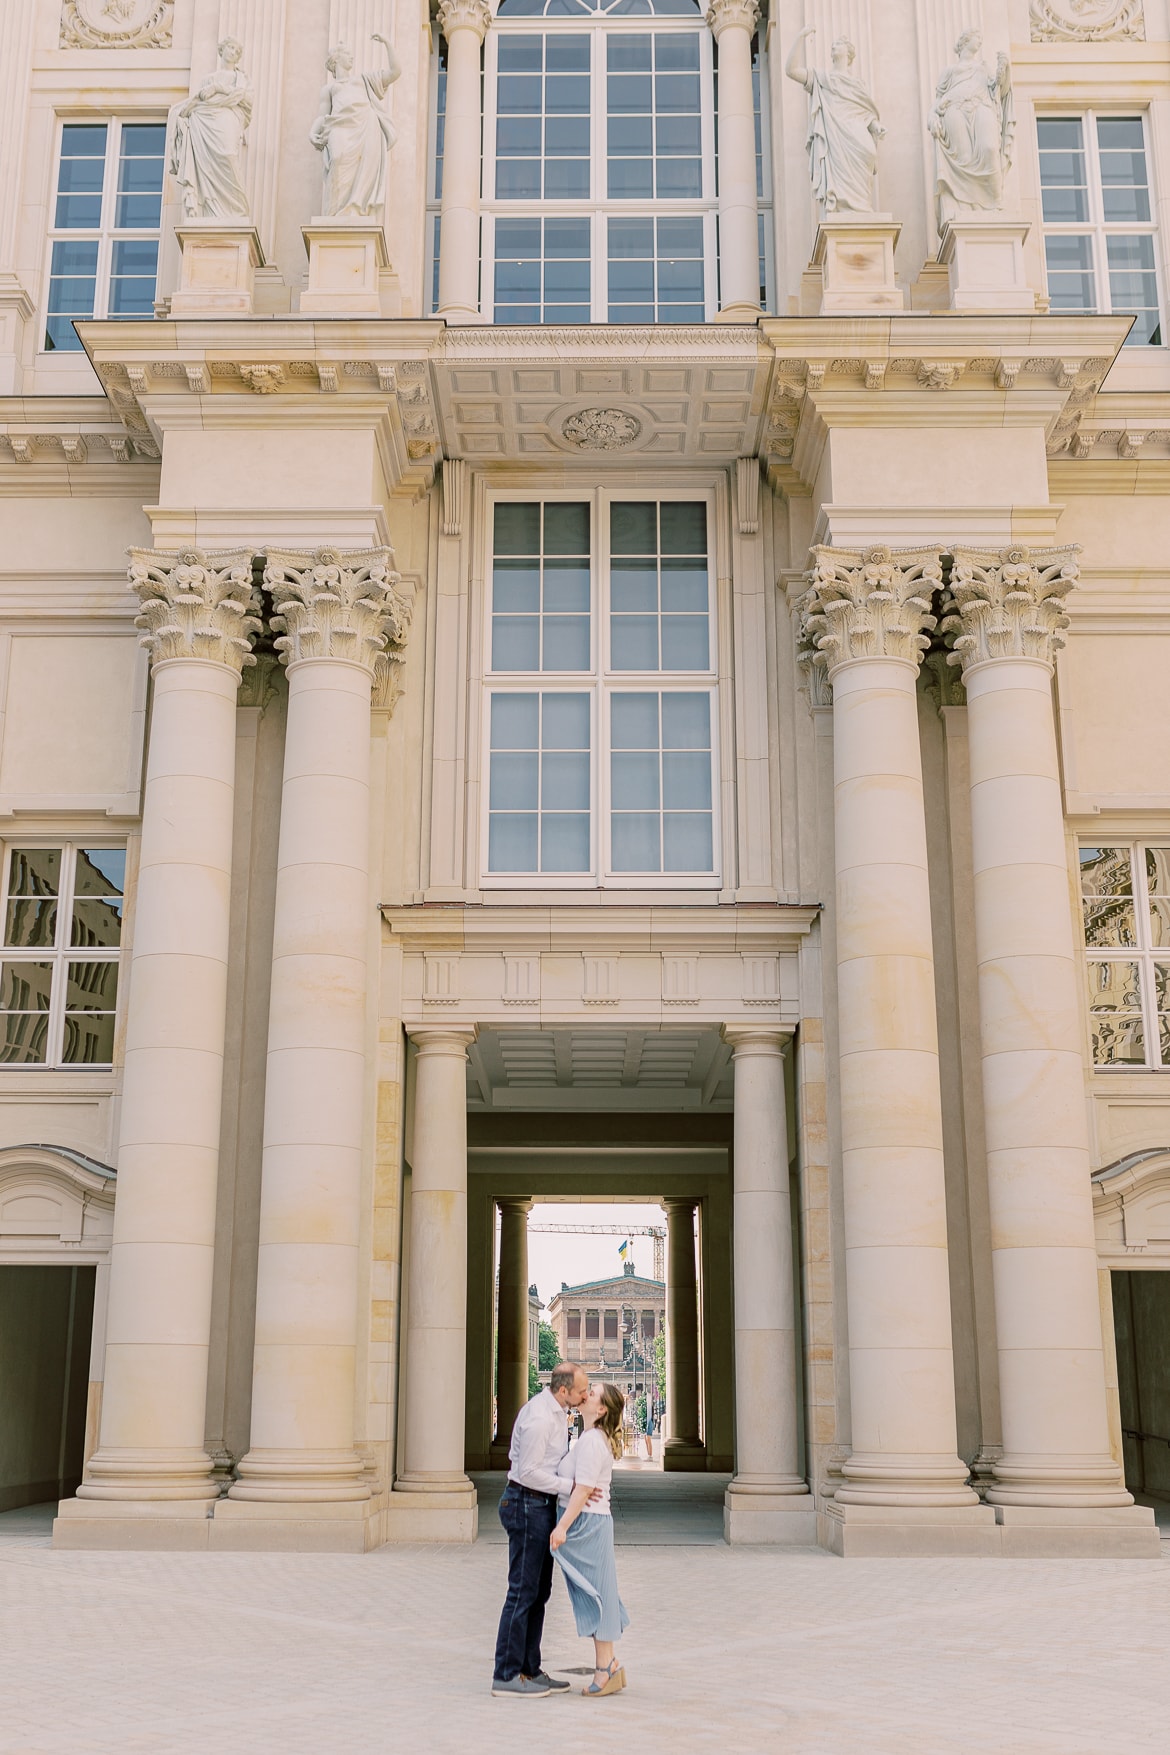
{"x": 55, "y": 1047}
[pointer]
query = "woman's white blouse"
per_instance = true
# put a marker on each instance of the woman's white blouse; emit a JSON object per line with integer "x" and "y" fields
{"x": 590, "y": 1461}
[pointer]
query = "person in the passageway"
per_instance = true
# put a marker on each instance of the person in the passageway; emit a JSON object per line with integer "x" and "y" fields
{"x": 583, "y": 1538}
{"x": 528, "y": 1511}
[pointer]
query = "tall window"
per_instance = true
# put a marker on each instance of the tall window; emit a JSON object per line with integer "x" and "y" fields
{"x": 1126, "y": 894}
{"x": 107, "y": 211}
{"x": 599, "y": 176}
{"x": 1099, "y": 232}
{"x": 600, "y": 710}
{"x": 59, "y": 975}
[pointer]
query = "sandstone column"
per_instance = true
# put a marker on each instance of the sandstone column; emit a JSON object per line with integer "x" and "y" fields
{"x": 464, "y": 23}
{"x": 338, "y": 611}
{"x": 865, "y": 616}
{"x": 768, "y": 1500}
{"x": 435, "y": 1499}
{"x": 511, "y": 1321}
{"x": 1057, "y": 1488}
{"x": 732, "y": 24}
{"x": 684, "y": 1448}
{"x": 197, "y": 622}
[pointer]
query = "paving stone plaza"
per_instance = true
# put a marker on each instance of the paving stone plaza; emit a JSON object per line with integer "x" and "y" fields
{"x": 730, "y": 1648}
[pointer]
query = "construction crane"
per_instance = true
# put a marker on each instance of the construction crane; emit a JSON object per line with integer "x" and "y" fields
{"x": 658, "y": 1232}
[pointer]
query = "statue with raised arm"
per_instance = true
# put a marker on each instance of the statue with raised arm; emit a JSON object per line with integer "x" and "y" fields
{"x": 843, "y": 129}
{"x": 354, "y": 135}
{"x": 973, "y": 124}
{"x": 207, "y": 148}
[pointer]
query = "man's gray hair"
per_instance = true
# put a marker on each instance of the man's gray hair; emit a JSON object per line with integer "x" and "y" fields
{"x": 563, "y": 1376}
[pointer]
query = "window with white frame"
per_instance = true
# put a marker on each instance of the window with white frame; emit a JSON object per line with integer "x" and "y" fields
{"x": 599, "y": 162}
{"x": 59, "y": 970}
{"x": 1126, "y": 894}
{"x": 104, "y": 237}
{"x": 600, "y": 711}
{"x": 1100, "y": 239}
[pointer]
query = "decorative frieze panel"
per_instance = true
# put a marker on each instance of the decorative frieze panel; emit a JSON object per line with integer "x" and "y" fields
{"x": 196, "y": 605}
{"x": 1008, "y": 603}
{"x": 117, "y": 24}
{"x": 1087, "y": 21}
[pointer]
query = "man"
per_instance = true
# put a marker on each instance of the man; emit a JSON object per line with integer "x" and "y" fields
{"x": 528, "y": 1511}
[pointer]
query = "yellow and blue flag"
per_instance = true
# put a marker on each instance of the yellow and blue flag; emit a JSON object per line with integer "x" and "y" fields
{"x": 623, "y": 1247}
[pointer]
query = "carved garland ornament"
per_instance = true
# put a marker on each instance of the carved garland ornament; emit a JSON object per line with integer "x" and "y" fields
{"x": 1087, "y": 21}
{"x": 117, "y": 24}
{"x": 601, "y": 429}
{"x": 196, "y": 605}
{"x": 871, "y": 603}
{"x": 344, "y": 604}
{"x": 1008, "y": 603}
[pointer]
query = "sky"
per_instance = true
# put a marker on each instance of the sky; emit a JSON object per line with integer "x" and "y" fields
{"x": 552, "y": 1259}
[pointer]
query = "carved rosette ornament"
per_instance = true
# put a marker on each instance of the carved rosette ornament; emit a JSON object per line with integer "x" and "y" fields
{"x": 1087, "y": 21}
{"x": 347, "y": 604}
{"x": 868, "y": 603}
{"x": 601, "y": 429}
{"x": 1008, "y": 603}
{"x": 473, "y": 15}
{"x": 196, "y": 605}
{"x": 728, "y": 14}
{"x": 117, "y": 24}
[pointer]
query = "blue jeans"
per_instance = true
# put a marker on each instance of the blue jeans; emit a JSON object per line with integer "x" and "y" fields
{"x": 529, "y": 1519}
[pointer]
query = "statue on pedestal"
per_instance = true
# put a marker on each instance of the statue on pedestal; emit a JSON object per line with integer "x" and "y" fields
{"x": 354, "y": 135}
{"x": 973, "y": 124}
{"x": 207, "y": 147}
{"x": 843, "y": 130}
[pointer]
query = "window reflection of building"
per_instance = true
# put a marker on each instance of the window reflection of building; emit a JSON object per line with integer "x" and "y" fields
{"x": 61, "y": 1011}
{"x": 1126, "y": 896}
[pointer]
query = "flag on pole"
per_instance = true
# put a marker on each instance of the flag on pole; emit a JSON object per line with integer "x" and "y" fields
{"x": 623, "y": 1247}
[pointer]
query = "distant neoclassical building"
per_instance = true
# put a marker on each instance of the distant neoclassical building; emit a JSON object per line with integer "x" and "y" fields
{"x": 611, "y": 1327}
{"x": 642, "y": 676}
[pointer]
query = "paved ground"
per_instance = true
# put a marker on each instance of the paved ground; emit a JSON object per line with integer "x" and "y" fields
{"x": 730, "y": 1650}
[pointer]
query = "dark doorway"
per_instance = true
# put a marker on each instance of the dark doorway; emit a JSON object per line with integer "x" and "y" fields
{"x": 46, "y": 1317}
{"x": 1141, "y": 1317}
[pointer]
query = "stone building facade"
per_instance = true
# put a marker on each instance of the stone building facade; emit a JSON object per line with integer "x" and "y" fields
{"x": 611, "y": 1327}
{"x": 639, "y": 678}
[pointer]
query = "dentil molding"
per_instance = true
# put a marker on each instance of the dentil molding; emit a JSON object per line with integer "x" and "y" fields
{"x": 1008, "y": 603}
{"x": 1087, "y": 21}
{"x": 117, "y": 24}
{"x": 196, "y": 604}
{"x": 872, "y": 603}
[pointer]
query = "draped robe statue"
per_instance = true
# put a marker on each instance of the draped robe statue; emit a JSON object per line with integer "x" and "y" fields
{"x": 207, "y": 147}
{"x": 843, "y": 130}
{"x": 973, "y": 124}
{"x": 354, "y": 135}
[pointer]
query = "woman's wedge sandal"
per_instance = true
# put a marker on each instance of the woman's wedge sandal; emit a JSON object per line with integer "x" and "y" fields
{"x": 613, "y": 1683}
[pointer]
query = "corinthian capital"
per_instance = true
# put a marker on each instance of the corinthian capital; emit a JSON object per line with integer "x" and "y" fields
{"x": 727, "y": 14}
{"x": 342, "y": 604}
{"x": 872, "y": 603}
{"x": 473, "y": 15}
{"x": 1008, "y": 603}
{"x": 196, "y": 605}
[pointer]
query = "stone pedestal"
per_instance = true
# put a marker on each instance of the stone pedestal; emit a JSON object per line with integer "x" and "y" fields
{"x": 984, "y": 258}
{"x": 16, "y": 307}
{"x": 855, "y": 255}
{"x": 219, "y": 269}
{"x": 346, "y": 260}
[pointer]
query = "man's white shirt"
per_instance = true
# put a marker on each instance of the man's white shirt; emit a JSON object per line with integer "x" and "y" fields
{"x": 540, "y": 1439}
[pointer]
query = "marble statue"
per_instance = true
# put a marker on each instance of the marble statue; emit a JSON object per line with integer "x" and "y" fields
{"x": 843, "y": 129}
{"x": 354, "y": 135}
{"x": 973, "y": 124}
{"x": 207, "y": 147}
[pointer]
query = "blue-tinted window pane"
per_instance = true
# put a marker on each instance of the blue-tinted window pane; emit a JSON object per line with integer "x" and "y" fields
{"x": 132, "y": 280}
{"x": 565, "y": 722}
{"x": 1070, "y": 272}
{"x": 1064, "y": 175}
{"x": 634, "y": 722}
{"x": 140, "y": 178}
{"x": 1133, "y": 285}
{"x": 636, "y": 841}
{"x": 512, "y": 842}
{"x": 653, "y": 102}
{"x": 542, "y": 271}
{"x": 686, "y": 722}
{"x": 515, "y": 722}
{"x": 72, "y": 287}
{"x": 80, "y": 176}
{"x": 686, "y": 841}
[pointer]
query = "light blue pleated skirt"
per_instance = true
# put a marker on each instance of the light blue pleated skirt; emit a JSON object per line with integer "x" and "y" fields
{"x": 587, "y": 1560}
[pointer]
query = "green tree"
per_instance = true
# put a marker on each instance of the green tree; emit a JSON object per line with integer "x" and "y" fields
{"x": 533, "y": 1379}
{"x": 660, "y": 1362}
{"x": 550, "y": 1352}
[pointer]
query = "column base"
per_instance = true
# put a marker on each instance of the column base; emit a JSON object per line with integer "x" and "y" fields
{"x": 777, "y": 1520}
{"x": 906, "y": 1532}
{"x": 984, "y": 258}
{"x": 743, "y": 313}
{"x": 684, "y": 1454}
{"x": 159, "y": 1525}
{"x": 458, "y": 314}
{"x": 855, "y": 255}
{"x": 301, "y": 1477}
{"x": 414, "y": 1515}
{"x": 346, "y": 1526}
{"x": 1049, "y": 1532}
{"x": 134, "y": 1476}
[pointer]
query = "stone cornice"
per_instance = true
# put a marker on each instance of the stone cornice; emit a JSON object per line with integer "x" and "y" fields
{"x": 567, "y": 927}
{"x": 1008, "y": 603}
{"x": 196, "y": 605}
{"x": 340, "y": 604}
{"x": 872, "y": 603}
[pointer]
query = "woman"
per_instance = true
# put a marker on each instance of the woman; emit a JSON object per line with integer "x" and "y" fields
{"x": 208, "y": 146}
{"x": 355, "y": 136}
{"x": 583, "y": 1538}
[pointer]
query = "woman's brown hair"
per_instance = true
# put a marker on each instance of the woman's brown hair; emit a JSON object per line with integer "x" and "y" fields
{"x": 609, "y": 1421}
